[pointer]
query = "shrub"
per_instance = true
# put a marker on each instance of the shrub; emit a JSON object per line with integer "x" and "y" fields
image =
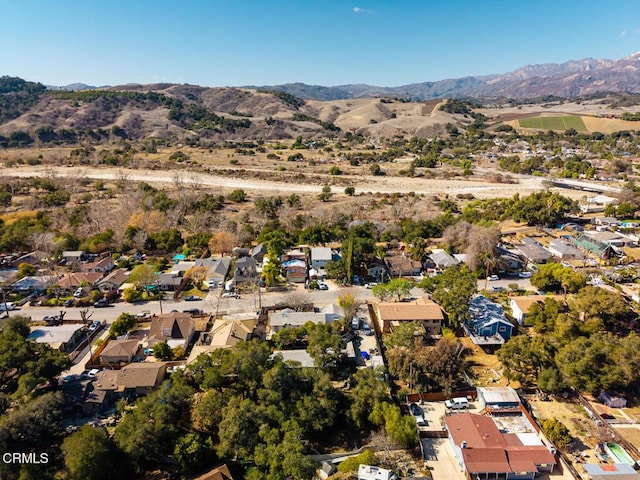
{"x": 351, "y": 464}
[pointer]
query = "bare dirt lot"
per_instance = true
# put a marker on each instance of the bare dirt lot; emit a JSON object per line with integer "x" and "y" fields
{"x": 631, "y": 433}
{"x": 363, "y": 184}
{"x": 485, "y": 367}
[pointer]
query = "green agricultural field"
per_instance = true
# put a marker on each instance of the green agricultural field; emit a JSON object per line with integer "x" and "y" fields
{"x": 554, "y": 123}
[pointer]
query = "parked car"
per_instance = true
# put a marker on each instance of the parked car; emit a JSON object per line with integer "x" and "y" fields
{"x": 192, "y": 298}
{"x": 7, "y": 306}
{"x": 497, "y": 289}
{"x": 95, "y": 325}
{"x": 193, "y": 311}
{"x": 323, "y": 286}
{"x": 68, "y": 303}
{"x": 143, "y": 315}
{"x": 230, "y": 295}
{"x": 103, "y": 302}
{"x": 370, "y": 285}
{"x": 79, "y": 292}
{"x": 418, "y": 414}
{"x": 525, "y": 274}
{"x": 366, "y": 329}
{"x": 52, "y": 320}
{"x": 457, "y": 403}
{"x": 493, "y": 278}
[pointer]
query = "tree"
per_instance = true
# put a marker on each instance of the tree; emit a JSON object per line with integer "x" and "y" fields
{"x": 197, "y": 275}
{"x": 557, "y": 432}
{"x": 335, "y": 269}
{"x": 350, "y": 191}
{"x": 524, "y": 357}
{"x": 207, "y": 413}
{"x": 598, "y": 308}
{"x": 143, "y": 276}
{"x": 325, "y": 346}
{"x": 223, "y": 242}
{"x": 283, "y": 456}
{"x": 122, "y": 325}
{"x": 271, "y": 271}
{"x": 297, "y": 300}
{"x": 193, "y": 452}
{"x": 555, "y": 277}
{"x": 31, "y": 425}
{"x": 90, "y": 455}
{"x": 401, "y": 429}
{"x": 453, "y": 291}
{"x": 366, "y": 389}
{"x": 595, "y": 363}
{"x": 239, "y": 428}
{"x": 403, "y": 335}
{"x": 38, "y": 363}
{"x": 162, "y": 351}
{"x": 349, "y": 304}
{"x": 147, "y": 434}
{"x": 398, "y": 288}
{"x": 541, "y": 208}
{"x": 26, "y": 270}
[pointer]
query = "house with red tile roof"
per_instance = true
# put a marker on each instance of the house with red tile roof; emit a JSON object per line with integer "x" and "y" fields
{"x": 483, "y": 450}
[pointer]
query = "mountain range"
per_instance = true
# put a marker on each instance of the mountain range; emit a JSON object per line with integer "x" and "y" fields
{"x": 574, "y": 78}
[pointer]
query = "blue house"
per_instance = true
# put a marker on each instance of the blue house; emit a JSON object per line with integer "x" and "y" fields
{"x": 488, "y": 324}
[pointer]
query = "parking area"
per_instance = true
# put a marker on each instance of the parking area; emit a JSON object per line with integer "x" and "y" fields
{"x": 440, "y": 460}
{"x": 434, "y": 413}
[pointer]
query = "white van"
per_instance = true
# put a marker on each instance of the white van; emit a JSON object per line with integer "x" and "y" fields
{"x": 457, "y": 403}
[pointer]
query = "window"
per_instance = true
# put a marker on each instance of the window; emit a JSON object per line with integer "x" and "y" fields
{"x": 502, "y": 329}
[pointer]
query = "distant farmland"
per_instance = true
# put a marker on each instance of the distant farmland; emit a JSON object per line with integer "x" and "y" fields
{"x": 554, "y": 123}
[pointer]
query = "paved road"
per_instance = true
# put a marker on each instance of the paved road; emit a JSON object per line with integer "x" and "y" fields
{"x": 248, "y": 302}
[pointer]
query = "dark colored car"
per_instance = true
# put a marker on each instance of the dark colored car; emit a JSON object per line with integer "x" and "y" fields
{"x": 68, "y": 303}
{"x": 101, "y": 303}
{"x": 191, "y": 298}
{"x": 193, "y": 311}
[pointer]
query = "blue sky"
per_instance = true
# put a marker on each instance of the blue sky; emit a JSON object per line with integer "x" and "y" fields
{"x": 325, "y": 42}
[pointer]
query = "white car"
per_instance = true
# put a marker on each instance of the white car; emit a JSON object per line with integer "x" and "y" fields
{"x": 7, "y": 306}
{"x": 418, "y": 414}
{"x": 525, "y": 274}
{"x": 230, "y": 295}
{"x": 493, "y": 278}
{"x": 370, "y": 285}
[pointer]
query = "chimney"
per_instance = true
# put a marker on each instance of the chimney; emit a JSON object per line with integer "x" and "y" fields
{"x": 463, "y": 444}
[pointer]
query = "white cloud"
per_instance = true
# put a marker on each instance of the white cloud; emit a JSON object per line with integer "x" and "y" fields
{"x": 623, "y": 32}
{"x": 361, "y": 10}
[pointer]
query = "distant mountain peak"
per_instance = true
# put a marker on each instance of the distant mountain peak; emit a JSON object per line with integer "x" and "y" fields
{"x": 569, "y": 79}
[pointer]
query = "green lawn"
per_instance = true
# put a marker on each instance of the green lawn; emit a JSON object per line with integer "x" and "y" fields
{"x": 554, "y": 123}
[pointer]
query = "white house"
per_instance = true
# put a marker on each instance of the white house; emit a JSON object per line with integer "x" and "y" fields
{"x": 320, "y": 256}
{"x": 520, "y": 306}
